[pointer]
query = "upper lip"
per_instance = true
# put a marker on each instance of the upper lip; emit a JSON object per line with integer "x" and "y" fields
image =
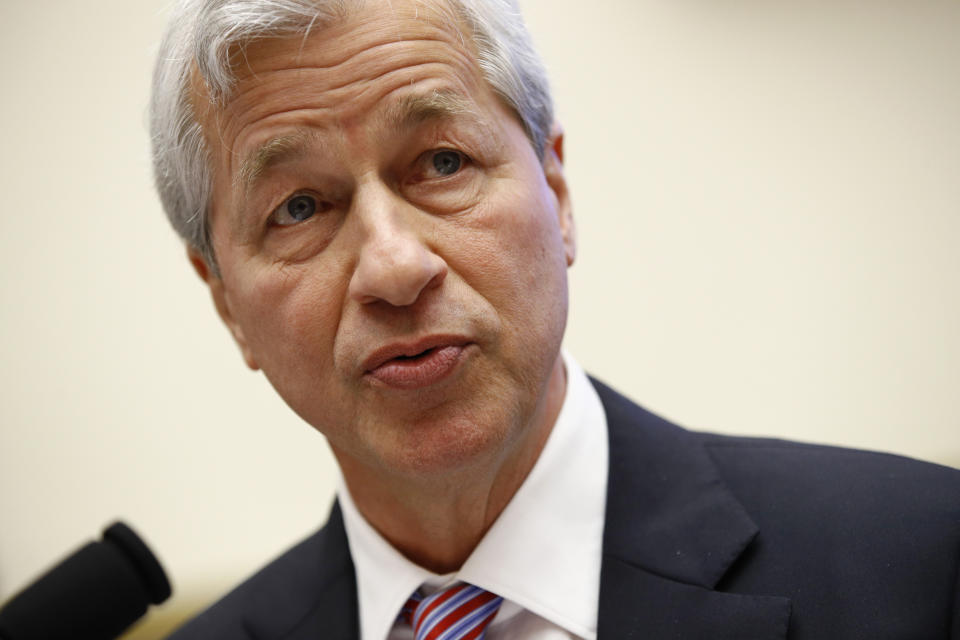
{"x": 411, "y": 348}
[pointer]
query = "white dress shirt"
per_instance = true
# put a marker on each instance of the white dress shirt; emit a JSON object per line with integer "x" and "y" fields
{"x": 542, "y": 554}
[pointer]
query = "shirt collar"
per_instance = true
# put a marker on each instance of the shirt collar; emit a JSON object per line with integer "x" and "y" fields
{"x": 543, "y": 552}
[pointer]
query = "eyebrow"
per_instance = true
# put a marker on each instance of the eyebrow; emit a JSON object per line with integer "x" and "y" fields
{"x": 406, "y": 113}
{"x": 411, "y": 111}
{"x": 268, "y": 154}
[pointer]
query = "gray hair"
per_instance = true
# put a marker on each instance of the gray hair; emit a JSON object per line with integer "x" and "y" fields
{"x": 202, "y": 35}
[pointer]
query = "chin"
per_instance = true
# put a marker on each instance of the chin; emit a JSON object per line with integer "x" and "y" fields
{"x": 432, "y": 449}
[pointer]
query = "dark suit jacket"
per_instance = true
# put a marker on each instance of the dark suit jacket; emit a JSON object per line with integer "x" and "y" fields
{"x": 706, "y": 536}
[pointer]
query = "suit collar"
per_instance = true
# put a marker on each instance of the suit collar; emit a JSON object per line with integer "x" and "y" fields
{"x": 672, "y": 531}
{"x": 310, "y": 592}
{"x": 667, "y": 510}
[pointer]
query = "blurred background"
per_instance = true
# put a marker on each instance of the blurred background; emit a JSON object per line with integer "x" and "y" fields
{"x": 768, "y": 202}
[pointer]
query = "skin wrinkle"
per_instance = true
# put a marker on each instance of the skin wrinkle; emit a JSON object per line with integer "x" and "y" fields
{"x": 400, "y": 65}
{"x": 447, "y": 101}
{"x": 446, "y": 107}
{"x": 453, "y": 22}
{"x": 306, "y": 35}
{"x": 414, "y": 110}
{"x": 334, "y": 65}
{"x": 409, "y": 112}
{"x": 494, "y": 273}
{"x": 355, "y": 53}
{"x": 335, "y": 13}
{"x": 356, "y": 33}
{"x": 252, "y": 111}
{"x": 266, "y": 155}
{"x": 337, "y": 27}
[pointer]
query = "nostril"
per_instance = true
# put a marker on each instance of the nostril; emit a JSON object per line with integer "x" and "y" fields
{"x": 396, "y": 267}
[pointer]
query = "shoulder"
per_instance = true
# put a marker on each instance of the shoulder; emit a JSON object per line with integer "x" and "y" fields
{"x": 827, "y": 462}
{"x": 281, "y": 593}
{"x": 823, "y": 474}
{"x": 847, "y": 529}
{"x": 838, "y": 485}
{"x": 856, "y": 539}
{"x": 796, "y": 491}
{"x": 225, "y": 618}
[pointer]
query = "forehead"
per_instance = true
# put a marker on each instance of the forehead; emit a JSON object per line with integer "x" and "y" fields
{"x": 344, "y": 70}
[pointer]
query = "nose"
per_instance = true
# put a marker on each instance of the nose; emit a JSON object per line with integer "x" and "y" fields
{"x": 395, "y": 264}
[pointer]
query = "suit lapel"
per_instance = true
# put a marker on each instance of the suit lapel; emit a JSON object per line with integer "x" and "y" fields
{"x": 640, "y": 604}
{"x": 672, "y": 531}
{"x": 314, "y": 596}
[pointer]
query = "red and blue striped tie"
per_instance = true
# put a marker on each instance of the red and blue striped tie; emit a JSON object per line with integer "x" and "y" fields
{"x": 459, "y": 612}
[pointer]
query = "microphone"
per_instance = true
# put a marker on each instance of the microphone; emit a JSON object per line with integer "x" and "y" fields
{"x": 94, "y": 594}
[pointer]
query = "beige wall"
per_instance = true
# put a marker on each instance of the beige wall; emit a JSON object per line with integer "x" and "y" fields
{"x": 768, "y": 204}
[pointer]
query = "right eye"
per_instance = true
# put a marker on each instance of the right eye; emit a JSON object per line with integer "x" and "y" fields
{"x": 294, "y": 210}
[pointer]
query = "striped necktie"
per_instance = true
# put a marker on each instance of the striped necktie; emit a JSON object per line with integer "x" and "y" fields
{"x": 459, "y": 612}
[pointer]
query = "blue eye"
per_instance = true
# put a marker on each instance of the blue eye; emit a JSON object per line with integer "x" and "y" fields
{"x": 295, "y": 210}
{"x": 447, "y": 162}
{"x": 301, "y": 207}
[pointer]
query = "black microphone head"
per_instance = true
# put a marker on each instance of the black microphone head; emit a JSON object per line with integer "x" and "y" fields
{"x": 94, "y": 594}
{"x": 151, "y": 573}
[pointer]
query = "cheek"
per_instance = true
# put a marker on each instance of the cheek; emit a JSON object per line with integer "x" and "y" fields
{"x": 510, "y": 250}
{"x": 530, "y": 242}
{"x": 291, "y": 316}
{"x": 540, "y": 271}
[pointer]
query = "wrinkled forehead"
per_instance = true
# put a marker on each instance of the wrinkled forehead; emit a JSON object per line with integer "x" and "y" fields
{"x": 217, "y": 71}
{"x": 341, "y": 68}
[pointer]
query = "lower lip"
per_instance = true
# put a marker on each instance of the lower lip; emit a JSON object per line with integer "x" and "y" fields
{"x": 418, "y": 372}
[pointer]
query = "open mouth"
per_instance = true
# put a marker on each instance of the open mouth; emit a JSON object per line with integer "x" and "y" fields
{"x": 417, "y": 356}
{"x": 419, "y": 369}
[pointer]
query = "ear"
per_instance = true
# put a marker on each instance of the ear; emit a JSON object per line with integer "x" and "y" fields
{"x": 553, "y": 171}
{"x": 221, "y": 301}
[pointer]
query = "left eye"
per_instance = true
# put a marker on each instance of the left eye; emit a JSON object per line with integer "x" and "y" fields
{"x": 296, "y": 209}
{"x": 445, "y": 163}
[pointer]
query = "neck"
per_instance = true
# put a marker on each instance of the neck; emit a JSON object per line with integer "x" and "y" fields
{"x": 436, "y": 521}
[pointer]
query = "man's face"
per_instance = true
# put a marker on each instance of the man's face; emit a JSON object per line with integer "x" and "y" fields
{"x": 392, "y": 252}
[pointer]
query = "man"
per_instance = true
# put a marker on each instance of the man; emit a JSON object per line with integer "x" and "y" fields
{"x": 374, "y": 193}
